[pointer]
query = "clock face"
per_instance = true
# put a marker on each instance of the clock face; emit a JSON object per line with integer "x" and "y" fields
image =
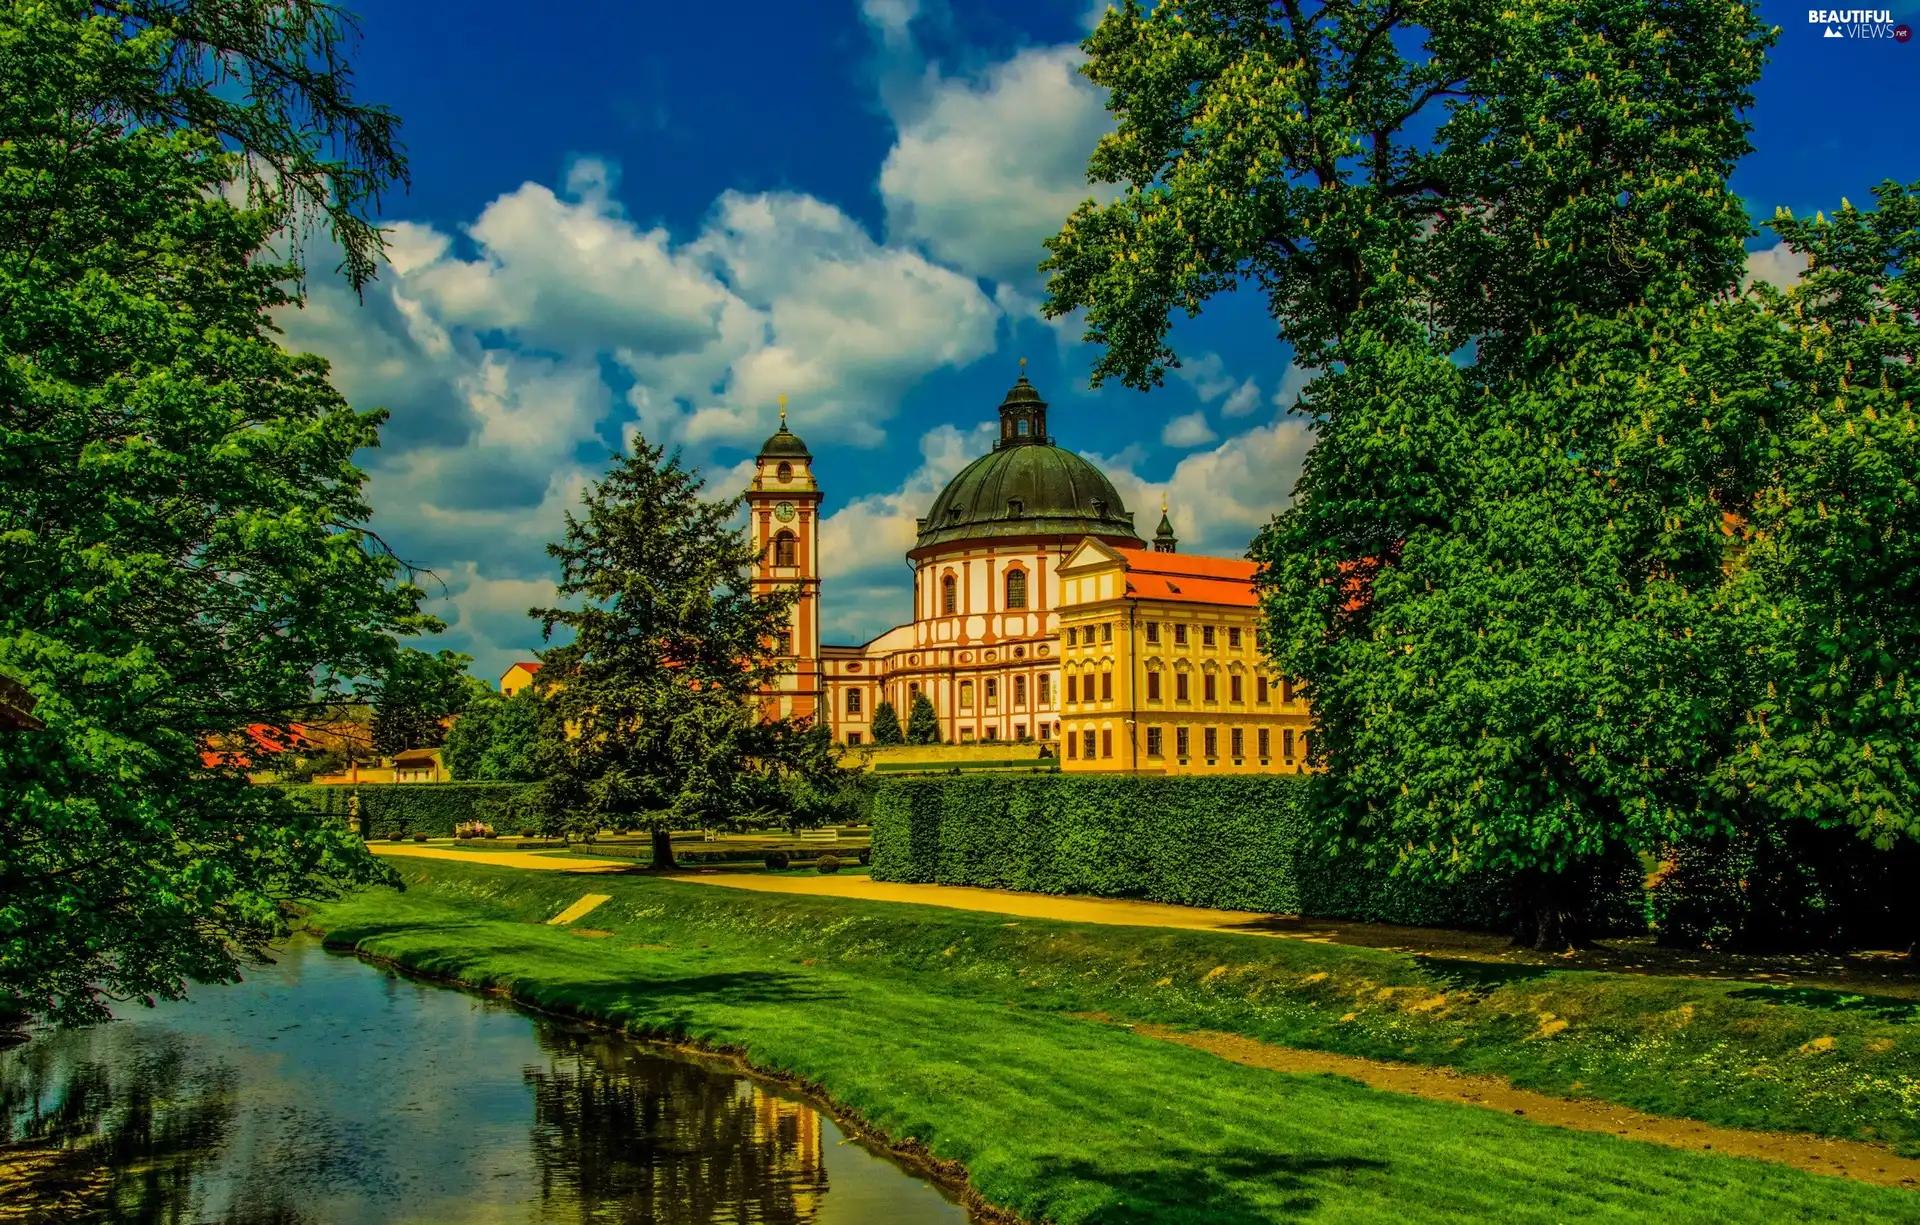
{"x": 784, "y": 512}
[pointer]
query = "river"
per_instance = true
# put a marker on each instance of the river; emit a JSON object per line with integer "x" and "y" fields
{"x": 327, "y": 1091}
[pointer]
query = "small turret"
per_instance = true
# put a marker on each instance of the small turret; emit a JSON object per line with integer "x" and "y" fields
{"x": 1023, "y": 415}
{"x": 1163, "y": 537}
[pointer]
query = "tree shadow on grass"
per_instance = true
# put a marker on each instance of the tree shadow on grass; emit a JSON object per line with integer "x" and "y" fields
{"x": 1239, "y": 1186}
{"x": 1879, "y": 1007}
{"x": 1480, "y": 975}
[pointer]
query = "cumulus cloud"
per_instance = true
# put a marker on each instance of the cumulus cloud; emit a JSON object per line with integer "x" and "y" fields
{"x": 1779, "y": 265}
{"x": 1190, "y": 430}
{"x": 984, "y": 169}
{"x": 1219, "y": 498}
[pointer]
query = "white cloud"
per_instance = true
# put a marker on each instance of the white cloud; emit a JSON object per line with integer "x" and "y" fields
{"x": 1779, "y": 265}
{"x": 984, "y": 170}
{"x": 891, "y": 18}
{"x": 1245, "y": 398}
{"x": 1292, "y": 384}
{"x": 1221, "y": 497}
{"x": 1190, "y": 430}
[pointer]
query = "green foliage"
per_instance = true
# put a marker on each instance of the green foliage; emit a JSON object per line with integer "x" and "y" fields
{"x": 653, "y": 713}
{"x": 1238, "y": 842}
{"x": 776, "y": 861}
{"x": 827, "y": 863}
{"x": 432, "y": 809}
{"x": 183, "y": 548}
{"x": 923, "y": 725}
{"x": 496, "y": 739}
{"x": 886, "y": 725}
{"x": 415, "y": 697}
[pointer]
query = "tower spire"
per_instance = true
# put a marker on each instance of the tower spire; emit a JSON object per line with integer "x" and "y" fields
{"x": 1163, "y": 537}
{"x": 783, "y": 410}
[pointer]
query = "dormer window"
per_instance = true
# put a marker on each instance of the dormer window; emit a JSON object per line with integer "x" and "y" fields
{"x": 1015, "y": 508}
{"x": 1099, "y": 508}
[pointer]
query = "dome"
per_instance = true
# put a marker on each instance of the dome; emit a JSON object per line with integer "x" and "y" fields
{"x": 784, "y": 444}
{"x": 1027, "y": 487}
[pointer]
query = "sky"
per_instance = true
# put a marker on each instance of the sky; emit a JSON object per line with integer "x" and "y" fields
{"x": 657, "y": 219}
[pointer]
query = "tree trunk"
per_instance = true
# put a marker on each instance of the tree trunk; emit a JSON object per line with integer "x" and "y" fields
{"x": 1549, "y": 912}
{"x": 662, "y": 849}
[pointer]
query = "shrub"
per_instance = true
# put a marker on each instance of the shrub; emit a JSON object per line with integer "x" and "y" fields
{"x": 395, "y": 835}
{"x": 435, "y": 808}
{"x": 777, "y": 860}
{"x": 1241, "y": 842}
{"x": 529, "y": 832}
{"x": 420, "y": 836}
{"x": 828, "y": 863}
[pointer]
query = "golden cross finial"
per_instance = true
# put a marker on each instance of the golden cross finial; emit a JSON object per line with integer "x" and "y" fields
{"x": 783, "y": 410}
{"x": 1163, "y": 502}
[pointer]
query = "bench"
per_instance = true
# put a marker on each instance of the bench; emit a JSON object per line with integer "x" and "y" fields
{"x": 819, "y": 835}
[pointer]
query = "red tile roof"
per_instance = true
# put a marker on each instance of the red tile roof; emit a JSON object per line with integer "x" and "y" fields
{"x": 529, "y": 665}
{"x": 1190, "y": 578}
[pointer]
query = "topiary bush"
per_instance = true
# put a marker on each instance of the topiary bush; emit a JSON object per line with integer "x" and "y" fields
{"x": 1244, "y": 842}
{"x": 420, "y": 836}
{"x": 828, "y": 863}
{"x": 777, "y": 861}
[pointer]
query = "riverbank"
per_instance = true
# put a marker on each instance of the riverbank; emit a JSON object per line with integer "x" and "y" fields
{"x": 957, "y": 1034}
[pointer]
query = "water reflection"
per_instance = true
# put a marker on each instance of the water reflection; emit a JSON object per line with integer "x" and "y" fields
{"x": 325, "y": 1092}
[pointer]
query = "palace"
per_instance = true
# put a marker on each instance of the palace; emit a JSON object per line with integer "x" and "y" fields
{"x": 1028, "y": 573}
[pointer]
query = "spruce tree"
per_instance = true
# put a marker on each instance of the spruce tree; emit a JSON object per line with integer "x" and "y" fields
{"x": 923, "y": 726}
{"x": 886, "y": 725}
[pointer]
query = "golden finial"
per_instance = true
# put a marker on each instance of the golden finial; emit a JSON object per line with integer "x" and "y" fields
{"x": 1163, "y": 502}
{"x": 783, "y": 410}
{"x": 1023, "y": 365}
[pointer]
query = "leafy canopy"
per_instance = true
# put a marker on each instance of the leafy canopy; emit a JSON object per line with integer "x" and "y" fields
{"x": 183, "y": 541}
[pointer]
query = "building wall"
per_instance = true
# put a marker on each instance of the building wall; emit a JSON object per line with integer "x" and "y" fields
{"x": 1110, "y": 645}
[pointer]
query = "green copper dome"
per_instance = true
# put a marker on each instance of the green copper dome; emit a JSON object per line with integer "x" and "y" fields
{"x": 784, "y": 445}
{"x": 1027, "y": 487}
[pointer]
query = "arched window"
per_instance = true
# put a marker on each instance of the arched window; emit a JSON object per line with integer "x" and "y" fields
{"x": 784, "y": 472}
{"x": 785, "y": 550}
{"x": 1016, "y": 589}
{"x": 949, "y": 595}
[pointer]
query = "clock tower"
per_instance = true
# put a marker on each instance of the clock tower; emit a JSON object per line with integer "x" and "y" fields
{"x": 784, "y": 505}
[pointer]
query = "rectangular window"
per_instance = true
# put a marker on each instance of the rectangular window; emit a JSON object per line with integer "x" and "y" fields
{"x": 853, "y": 738}
{"x": 1233, "y": 689}
{"x": 1106, "y": 631}
{"x": 993, "y": 731}
{"x": 1046, "y": 731}
{"x": 1180, "y": 686}
{"x": 1153, "y": 631}
{"x": 1153, "y": 686}
{"x": 1233, "y": 637}
{"x": 1071, "y": 746}
{"x": 913, "y": 691}
{"x": 1206, "y": 635}
{"x": 1086, "y": 745}
{"x": 1179, "y": 635}
{"x": 1266, "y": 744}
{"x": 993, "y": 694}
{"x": 1286, "y": 689}
{"x": 853, "y": 701}
{"x": 1046, "y": 688}
{"x": 1181, "y": 742}
{"x": 1019, "y": 731}
{"x": 966, "y": 734}
{"x": 1213, "y": 742}
{"x": 1286, "y": 744}
{"x": 1210, "y": 687}
{"x": 786, "y": 642}
{"x": 1260, "y": 689}
{"x": 1239, "y": 740}
{"x": 1073, "y": 688}
{"x": 1106, "y": 743}
{"x": 1019, "y": 692}
{"x": 1153, "y": 742}
{"x": 966, "y": 695}
{"x": 1073, "y": 635}
{"x": 1106, "y": 686}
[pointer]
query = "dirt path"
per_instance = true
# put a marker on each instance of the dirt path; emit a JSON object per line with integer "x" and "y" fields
{"x": 497, "y": 859}
{"x": 1115, "y": 912}
{"x": 1814, "y": 1154}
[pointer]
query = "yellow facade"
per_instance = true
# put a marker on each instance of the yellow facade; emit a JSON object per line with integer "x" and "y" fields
{"x": 1162, "y": 671}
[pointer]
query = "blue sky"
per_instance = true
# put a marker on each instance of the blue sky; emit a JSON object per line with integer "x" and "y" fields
{"x": 660, "y": 217}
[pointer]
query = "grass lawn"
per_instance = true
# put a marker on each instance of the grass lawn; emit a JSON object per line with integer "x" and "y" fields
{"x": 957, "y": 1030}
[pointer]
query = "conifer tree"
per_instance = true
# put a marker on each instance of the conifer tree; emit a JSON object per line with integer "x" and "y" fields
{"x": 886, "y": 725}
{"x": 923, "y": 726}
{"x": 654, "y": 713}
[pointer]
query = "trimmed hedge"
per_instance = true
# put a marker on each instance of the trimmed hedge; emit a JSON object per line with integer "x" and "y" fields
{"x": 414, "y": 808}
{"x": 1234, "y": 842}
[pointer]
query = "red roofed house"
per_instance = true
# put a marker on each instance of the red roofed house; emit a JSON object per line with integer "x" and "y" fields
{"x": 517, "y": 677}
{"x": 1161, "y": 666}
